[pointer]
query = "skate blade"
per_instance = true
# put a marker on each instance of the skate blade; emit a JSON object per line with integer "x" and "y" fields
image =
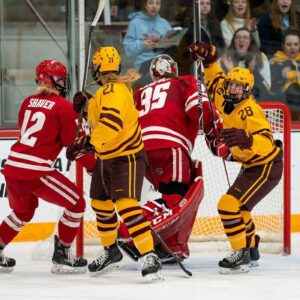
{"x": 63, "y": 269}
{"x": 237, "y": 270}
{"x": 110, "y": 268}
{"x": 6, "y": 269}
{"x": 153, "y": 277}
{"x": 254, "y": 263}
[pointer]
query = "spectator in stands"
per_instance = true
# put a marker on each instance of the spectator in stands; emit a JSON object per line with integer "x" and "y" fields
{"x": 144, "y": 31}
{"x": 244, "y": 52}
{"x": 271, "y": 26}
{"x": 238, "y": 16}
{"x": 210, "y": 27}
{"x": 210, "y": 31}
{"x": 285, "y": 72}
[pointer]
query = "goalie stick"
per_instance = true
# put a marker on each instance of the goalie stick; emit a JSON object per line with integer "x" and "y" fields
{"x": 182, "y": 267}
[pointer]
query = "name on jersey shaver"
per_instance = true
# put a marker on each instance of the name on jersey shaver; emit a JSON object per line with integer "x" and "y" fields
{"x": 41, "y": 103}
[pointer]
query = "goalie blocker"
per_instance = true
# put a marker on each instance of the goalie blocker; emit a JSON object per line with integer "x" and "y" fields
{"x": 173, "y": 224}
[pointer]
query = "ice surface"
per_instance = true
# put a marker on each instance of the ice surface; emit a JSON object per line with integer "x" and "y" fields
{"x": 277, "y": 277}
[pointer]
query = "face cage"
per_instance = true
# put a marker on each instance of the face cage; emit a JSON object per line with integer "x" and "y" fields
{"x": 63, "y": 89}
{"x": 156, "y": 76}
{"x": 233, "y": 97}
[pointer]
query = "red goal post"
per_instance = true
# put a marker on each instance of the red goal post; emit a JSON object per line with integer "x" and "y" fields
{"x": 272, "y": 216}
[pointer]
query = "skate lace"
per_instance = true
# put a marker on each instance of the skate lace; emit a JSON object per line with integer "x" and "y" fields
{"x": 149, "y": 260}
{"x": 102, "y": 258}
{"x": 234, "y": 256}
{"x": 70, "y": 256}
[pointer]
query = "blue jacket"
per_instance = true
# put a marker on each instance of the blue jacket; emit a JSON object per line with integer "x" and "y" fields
{"x": 139, "y": 28}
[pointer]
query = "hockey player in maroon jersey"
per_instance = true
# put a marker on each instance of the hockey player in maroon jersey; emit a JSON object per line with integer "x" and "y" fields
{"x": 169, "y": 117}
{"x": 47, "y": 123}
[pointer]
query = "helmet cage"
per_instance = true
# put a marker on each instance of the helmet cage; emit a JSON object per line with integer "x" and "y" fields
{"x": 233, "y": 97}
{"x": 163, "y": 66}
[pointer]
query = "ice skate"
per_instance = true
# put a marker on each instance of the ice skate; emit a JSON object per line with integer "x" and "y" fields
{"x": 237, "y": 262}
{"x": 6, "y": 263}
{"x": 65, "y": 262}
{"x": 150, "y": 266}
{"x": 108, "y": 261}
{"x": 254, "y": 253}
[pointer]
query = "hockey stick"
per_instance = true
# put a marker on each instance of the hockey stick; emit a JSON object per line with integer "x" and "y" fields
{"x": 99, "y": 11}
{"x": 182, "y": 267}
{"x": 210, "y": 101}
{"x": 200, "y": 80}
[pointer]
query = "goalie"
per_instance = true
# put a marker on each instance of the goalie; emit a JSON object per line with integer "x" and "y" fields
{"x": 169, "y": 117}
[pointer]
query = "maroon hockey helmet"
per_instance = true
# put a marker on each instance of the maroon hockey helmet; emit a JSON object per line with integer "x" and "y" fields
{"x": 163, "y": 66}
{"x": 54, "y": 74}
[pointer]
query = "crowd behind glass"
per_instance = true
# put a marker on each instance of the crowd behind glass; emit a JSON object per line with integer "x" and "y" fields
{"x": 262, "y": 35}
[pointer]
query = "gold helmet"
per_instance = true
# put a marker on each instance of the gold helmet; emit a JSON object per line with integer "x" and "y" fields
{"x": 106, "y": 59}
{"x": 241, "y": 75}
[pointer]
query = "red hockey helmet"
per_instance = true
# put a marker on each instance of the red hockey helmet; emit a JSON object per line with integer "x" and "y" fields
{"x": 54, "y": 74}
{"x": 162, "y": 66}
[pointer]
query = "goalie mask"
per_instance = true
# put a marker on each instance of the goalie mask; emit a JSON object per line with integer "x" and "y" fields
{"x": 237, "y": 87}
{"x": 163, "y": 66}
{"x": 54, "y": 74}
{"x": 106, "y": 60}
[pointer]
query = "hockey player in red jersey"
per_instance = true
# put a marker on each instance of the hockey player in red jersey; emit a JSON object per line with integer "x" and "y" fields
{"x": 47, "y": 123}
{"x": 169, "y": 117}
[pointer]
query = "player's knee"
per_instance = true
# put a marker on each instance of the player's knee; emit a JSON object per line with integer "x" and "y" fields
{"x": 25, "y": 216}
{"x": 79, "y": 206}
{"x": 99, "y": 205}
{"x": 228, "y": 203}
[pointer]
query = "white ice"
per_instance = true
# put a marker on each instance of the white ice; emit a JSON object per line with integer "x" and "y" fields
{"x": 277, "y": 277}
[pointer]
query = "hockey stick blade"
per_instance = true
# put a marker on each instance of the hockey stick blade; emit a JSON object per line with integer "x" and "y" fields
{"x": 99, "y": 11}
{"x": 182, "y": 267}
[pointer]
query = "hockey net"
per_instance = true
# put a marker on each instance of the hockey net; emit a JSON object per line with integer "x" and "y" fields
{"x": 271, "y": 215}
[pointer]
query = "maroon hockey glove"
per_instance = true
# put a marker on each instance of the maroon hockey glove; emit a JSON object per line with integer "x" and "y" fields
{"x": 237, "y": 137}
{"x": 206, "y": 52}
{"x": 79, "y": 147}
{"x": 79, "y": 100}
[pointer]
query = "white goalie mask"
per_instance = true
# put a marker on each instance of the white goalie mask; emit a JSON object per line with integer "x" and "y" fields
{"x": 163, "y": 66}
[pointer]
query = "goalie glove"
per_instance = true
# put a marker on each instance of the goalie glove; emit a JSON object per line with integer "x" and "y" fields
{"x": 79, "y": 100}
{"x": 79, "y": 147}
{"x": 206, "y": 52}
{"x": 237, "y": 137}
